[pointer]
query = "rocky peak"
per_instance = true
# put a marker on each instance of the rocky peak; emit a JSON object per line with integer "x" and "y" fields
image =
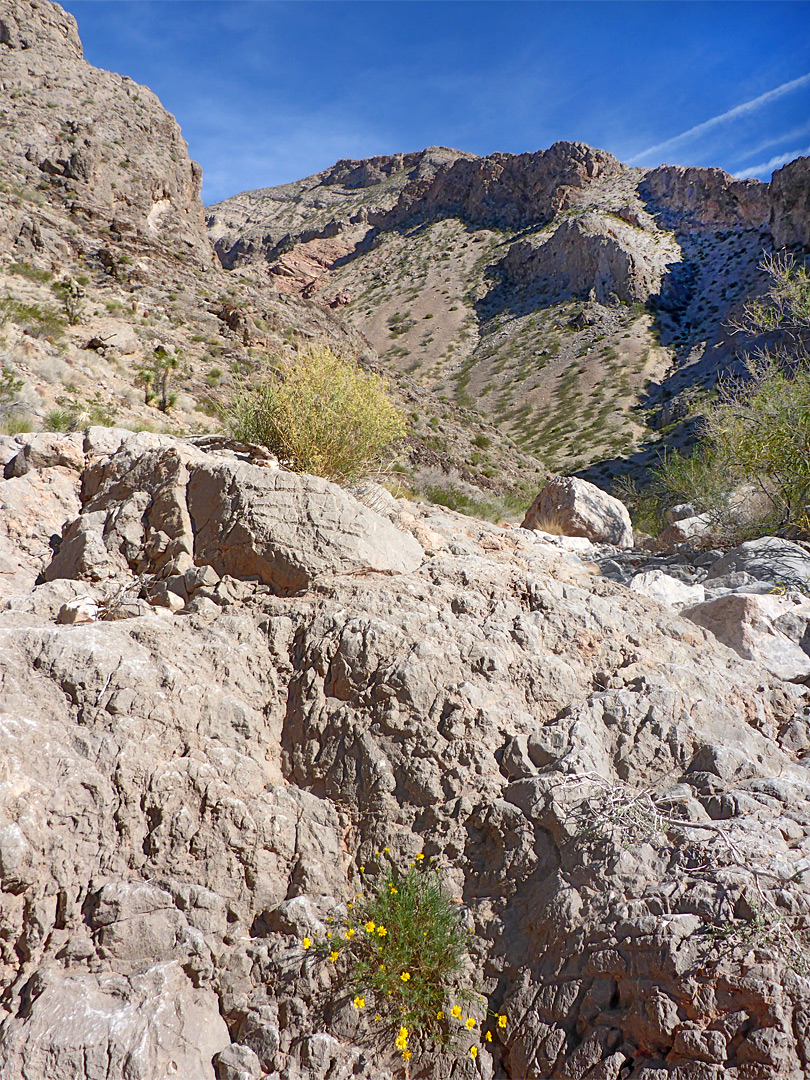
{"x": 39, "y": 26}
{"x": 691, "y": 196}
{"x": 790, "y": 205}
{"x": 504, "y": 190}
{"x": 368, "y": 172}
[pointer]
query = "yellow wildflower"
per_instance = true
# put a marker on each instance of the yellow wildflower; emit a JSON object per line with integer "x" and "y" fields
{"x": 405, "y": 976}
{"x": 306, "y": 943}
{"x": 382, "y": 967}
{"x": 419, "y": 857}
{"x": 387, "y": 850}
{"x": 328, "y": 933}
{"x": 402, "y": 1039}
{"x": 406, "y": 1055}
{"x": 350, "y": 933}
{"x": 362, "y": 869}
{"x": 473, "y": 1052}
{"x": 359, "y": 1002}
{"x": 381, "y": 931}
{"x": 456, "y": 1011}
{"x": 502, "y": 1021}
{"x": 370, "y": 927}
{"x": 394, "y": 891}
{"x": 469, "y": 1023}
{"x": 333, "y": 955}
{"x": 488, "y": 1036}
{"x": 440, "y": 1014}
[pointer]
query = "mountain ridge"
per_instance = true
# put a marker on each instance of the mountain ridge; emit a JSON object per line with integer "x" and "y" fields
{"x": 513, "y": 259}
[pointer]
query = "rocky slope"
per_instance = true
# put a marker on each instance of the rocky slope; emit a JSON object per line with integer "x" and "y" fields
{"x": 577, "y": 302}
{"x": 96, "y": 187}
{"x": 234, "y": 687}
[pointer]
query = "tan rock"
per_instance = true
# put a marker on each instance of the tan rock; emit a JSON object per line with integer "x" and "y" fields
{"x": 771, "y": 630}
{"x": 574, "y": 507}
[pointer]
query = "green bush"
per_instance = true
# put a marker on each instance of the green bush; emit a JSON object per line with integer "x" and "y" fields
{"x": 404, "y": 952}
{"x": 322, "y": 414}
{"x": 755, "y": 437}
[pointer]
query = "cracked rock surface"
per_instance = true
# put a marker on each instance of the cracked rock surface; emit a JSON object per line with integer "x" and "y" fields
{"x": 195, "y": 770}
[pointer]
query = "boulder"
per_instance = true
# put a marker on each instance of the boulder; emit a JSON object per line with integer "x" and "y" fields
{"x": 34, "y": 508}
{"x": 685, "y": 528}
{"x": 666, "y": 589}
{"x": 575, "y": 507}
{"x": 287, "y": 530}
{"x": 145, "y": 1026}
{"x": 158, "y": 506}
{"x": 768, "y": 558}
{"x": 772, "y": 630}
{"x": 45, "y": 450}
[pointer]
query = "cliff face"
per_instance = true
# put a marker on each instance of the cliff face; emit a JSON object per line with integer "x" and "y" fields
{"x": 790, "y": 205}
{"x": 93, "y": 143}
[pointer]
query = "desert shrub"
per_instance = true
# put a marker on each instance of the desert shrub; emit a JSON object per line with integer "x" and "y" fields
{"x": 404, "y": 951}
{"x": 42, "y": 322}
{"x": 756, "y": 435}
{"x": 59, "y": 419}
{"x": 33, "y": 273}
{"x": 322, "y": 414}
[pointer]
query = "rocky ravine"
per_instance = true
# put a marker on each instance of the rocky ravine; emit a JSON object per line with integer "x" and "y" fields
{"x": 234, "y": 685}
{"x": 577, "y": 302}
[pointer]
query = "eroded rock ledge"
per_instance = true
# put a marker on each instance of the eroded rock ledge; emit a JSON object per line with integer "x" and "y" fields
{"x": 194, "y": 768}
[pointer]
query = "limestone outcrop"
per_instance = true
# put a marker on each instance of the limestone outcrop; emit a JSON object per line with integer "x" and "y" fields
{"x": 191, "y": 786}
{"x": 72, "y": 134}
{"x": 593, "y": 256}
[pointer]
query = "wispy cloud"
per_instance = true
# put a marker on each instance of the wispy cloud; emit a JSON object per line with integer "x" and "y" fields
{"x": 767, "y": 167}
{"x": 774, "y": 140}
{"x": 736, "y": 113}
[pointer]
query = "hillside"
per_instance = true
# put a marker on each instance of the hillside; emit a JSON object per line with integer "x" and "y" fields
{"x": 97, "y": 190}
{"x": 579, "y": 304}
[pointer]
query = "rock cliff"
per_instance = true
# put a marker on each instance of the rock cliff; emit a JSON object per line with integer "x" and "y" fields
{"x": 200, "y": 755}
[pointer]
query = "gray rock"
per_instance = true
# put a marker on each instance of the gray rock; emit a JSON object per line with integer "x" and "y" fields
{"x": 771, "y": 630}
{"x": 143, "y": 1026}
{"x": 666, "y": 589}
{"x": 287, "y": 530}
{"x": 769, "y": 558}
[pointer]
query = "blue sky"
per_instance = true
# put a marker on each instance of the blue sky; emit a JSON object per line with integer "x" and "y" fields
{"x": 268, "y": 92}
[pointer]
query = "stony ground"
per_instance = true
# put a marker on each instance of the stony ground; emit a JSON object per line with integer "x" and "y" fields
{"x": 234, "y": 686}
{"x": 225, "y": 688}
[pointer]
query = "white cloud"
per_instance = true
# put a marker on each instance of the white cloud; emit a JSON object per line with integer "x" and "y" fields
{"x": 738, "y": 111}
{"x": 775, "y": 140}
{"x": 765, "y": 168}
